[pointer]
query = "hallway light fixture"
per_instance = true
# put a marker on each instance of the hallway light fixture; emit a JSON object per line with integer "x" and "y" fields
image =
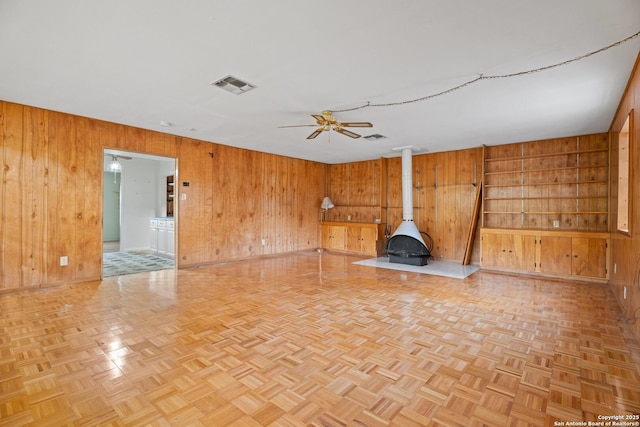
{"x": 115, "y": 165}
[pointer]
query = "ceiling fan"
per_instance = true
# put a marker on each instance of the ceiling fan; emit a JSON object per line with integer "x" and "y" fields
{"x": 326, "y": 122}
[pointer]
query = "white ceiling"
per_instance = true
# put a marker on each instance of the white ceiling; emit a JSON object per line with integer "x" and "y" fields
{"x": 141, "y": 62}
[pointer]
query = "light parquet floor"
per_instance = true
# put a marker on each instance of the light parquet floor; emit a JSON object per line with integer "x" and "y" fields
{"x": 314, "y": 340}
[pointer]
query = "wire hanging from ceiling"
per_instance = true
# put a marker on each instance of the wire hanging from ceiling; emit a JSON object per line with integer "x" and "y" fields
{"x": 492, "y": 77}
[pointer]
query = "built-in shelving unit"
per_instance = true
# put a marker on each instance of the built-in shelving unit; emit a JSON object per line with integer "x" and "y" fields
{"x": 545, "y": 208}
{"x": 170, "y": 194}
{"x": 557, "y": 184}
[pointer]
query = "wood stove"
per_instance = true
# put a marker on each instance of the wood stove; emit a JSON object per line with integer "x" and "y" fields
{"x": 406, "y": 245}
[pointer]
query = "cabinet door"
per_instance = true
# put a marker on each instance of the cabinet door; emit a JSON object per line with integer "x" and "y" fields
{"x": 153, "y": 235}
{"x": 326, "y": 236}
{"x": 589, "y": 257}
{"x": 333, "y": 237}
{"x": 368, "y": 241}
{"x": 512, "y": 251}
{"x": 353, "y": 239}
{"x": 338, "y": 237}
{"x": 162, "y": 240}
{"x": 361, "y": 240}
{"x": 491, "y": 247}
{"x": 171, "y": 242}
{"x": 555, "y": 255}
{"x": 521, "y": 251}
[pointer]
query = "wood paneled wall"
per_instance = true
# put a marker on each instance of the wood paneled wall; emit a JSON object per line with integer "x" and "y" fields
{"x": 445, "y": 185}
{"x": 355, "y": 189}
{"x": 625, "y": 249}
{"x": 51, "y": 197}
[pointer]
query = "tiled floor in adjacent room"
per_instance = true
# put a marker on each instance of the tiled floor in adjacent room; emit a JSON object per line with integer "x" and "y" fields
{"x": 313, "y": 339}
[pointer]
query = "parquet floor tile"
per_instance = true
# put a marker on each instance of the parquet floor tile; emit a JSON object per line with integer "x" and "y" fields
{"x": 313, "y": 340}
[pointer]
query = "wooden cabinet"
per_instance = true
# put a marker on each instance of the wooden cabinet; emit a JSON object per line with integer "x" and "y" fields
{"x": 353, "y": 237}
{"x": 334, "y": 237}
{"x": 555, "y": 255}
{"x": 579, "y": 256}
{"x": 362, "y": 239}
{"x": 588, "y": 256}
{"x": 510, "y": 251}
{"x": 562, "y": 254}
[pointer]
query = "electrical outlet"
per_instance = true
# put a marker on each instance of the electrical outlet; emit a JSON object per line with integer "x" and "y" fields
{"x": 64, "y": 260}
{"x": 556, "y": 223}
{"x": 624, "y": 293}
{"x": 264, "y": 242}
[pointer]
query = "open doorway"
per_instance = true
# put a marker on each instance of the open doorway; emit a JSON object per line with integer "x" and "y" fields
{"x": 138, "y": 206}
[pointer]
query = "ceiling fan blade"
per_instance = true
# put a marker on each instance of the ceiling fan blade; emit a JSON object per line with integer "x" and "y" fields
{"x": 347, "y": 132}
{"x": 315, "y": 133}
{"x": 297, "y": 126}
{"x": 321, "y": 120}
{"x": 356, "y": 124}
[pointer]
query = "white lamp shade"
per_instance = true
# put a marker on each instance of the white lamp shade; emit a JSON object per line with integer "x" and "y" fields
{"x": 326, "y": 203}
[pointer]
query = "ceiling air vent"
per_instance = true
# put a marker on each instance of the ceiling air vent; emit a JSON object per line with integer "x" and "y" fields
{"x": 374, "y": 137}
{"x": 233, "y": 85}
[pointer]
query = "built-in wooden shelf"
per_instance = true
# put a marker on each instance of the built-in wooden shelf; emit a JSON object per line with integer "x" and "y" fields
{"x": 540, "y": 184}
{"x": 520, "y": 171}
{"x": 545, "y": 198}
{"x": 531, "y": 184}
{"x": 546, "y": 212}
{"x": 541, "y": 155}
{"x": 170, "y": 194}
